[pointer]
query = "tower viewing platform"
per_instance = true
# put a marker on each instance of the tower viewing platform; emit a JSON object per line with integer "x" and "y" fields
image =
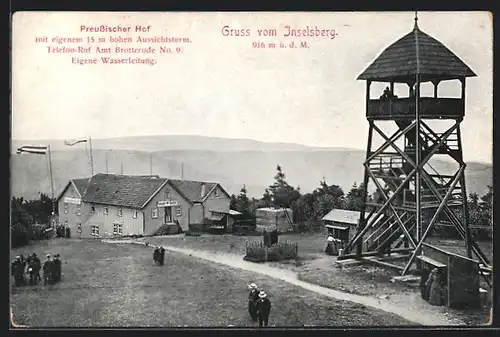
{"x": 398, "y": 64}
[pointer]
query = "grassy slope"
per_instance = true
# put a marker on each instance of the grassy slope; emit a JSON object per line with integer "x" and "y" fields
{"x": 118, "y": 285}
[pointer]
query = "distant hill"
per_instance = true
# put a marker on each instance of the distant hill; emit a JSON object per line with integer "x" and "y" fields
{"x": 175, "y": 142}
{"x": 233, "y": 163}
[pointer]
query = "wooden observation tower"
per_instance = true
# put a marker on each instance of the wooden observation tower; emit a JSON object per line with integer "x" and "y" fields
{"x": 407, "y": 187}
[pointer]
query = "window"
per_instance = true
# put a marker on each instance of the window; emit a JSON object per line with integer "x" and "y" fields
{"x": 105, "y": 211}
{"x": 66, "y": 223}
{"x": 117, "y": 229}
{"x": 79, "y": 227}
{"x": 167, "y": 194}
{"x": 154, "y": 213}
{"x": 135, "y": 214}
{"x": 95, "y": 230}
{"x": 120, "y": 212}
{"x": 178, "y": 211}
{"x": 216, "y": 192}
{"x": 66, "y": 207}
{"x": 92, "y": 209}
{"x": 79, "y": 210}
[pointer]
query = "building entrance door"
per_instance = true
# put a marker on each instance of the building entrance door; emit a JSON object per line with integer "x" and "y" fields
{"x": 168, "y": 215}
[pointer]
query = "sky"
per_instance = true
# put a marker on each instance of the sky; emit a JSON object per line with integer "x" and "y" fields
{"x": 224, "y": 87}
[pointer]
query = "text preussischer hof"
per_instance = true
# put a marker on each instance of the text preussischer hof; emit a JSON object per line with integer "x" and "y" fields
{"x": 97, "y": 47}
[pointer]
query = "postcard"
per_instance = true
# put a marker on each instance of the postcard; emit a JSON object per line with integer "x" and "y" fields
{"x": 251, "y": 169}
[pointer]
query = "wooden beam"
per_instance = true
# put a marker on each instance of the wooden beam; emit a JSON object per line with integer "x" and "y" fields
{"x": 376, "y": 261}
{"x": 431, "y": 223}
{"x": 362, "y": 222}
{"x": 389, "y": 140}
{"x": 352, "y": 256}
{"x": 400, "y": 222}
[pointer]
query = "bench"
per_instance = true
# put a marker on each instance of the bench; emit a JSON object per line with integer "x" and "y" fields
{"x": 431, "y": 262}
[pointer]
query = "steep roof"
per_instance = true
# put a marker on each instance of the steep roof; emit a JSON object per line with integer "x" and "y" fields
{"x": 343, "y": 216}
{"x": 121, "y": 190}
{"x": 192, "y": 189}
{"x": 398, "y": 62}
{"x": 81, "y": 185}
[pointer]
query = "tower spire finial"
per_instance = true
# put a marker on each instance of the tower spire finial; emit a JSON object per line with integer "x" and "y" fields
{"x": 416, "y": 19}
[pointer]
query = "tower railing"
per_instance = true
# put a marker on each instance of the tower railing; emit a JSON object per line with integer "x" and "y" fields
{"x": 404, "y": 108}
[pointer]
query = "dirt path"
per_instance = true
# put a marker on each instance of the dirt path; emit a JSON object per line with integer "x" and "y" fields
{"x": 406, "y": 310}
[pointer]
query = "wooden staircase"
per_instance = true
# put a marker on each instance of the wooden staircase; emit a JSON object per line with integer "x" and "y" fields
{"x": 387, "y": 232}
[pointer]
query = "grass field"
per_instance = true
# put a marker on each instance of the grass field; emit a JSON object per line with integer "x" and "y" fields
{"x": 117, "y": 285}
{"x": 315, "y": 267}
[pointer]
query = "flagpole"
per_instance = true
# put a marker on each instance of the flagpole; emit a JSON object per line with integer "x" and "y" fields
{"x": 150, "y": 164}
{"x": 417, "y": 140}
{"x": 51, "y": 180}
{"x": 91, "y": 158}
{"x": 106, "y": 153}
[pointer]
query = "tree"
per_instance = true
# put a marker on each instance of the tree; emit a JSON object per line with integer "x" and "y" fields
{"x": 244, "y": 205}
{"x": 354, "y": 199}
{"x": 327, "y": 197}
{"x": 24, "y": 217}
{"x": 280, "y": 193}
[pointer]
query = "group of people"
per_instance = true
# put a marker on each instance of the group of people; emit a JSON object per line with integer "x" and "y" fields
{"x": 159, "y": 255}
{"x": 31, "y": 266}
{"x": 259, "y": 305}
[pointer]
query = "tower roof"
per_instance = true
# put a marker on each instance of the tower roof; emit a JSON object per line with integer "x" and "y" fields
{"x": 398, "y": 62}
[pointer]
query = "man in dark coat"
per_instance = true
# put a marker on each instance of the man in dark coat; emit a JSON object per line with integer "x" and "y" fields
{"x": 47, "y": 271}
{"x": 56, "y": 267}
{"x": 253, "y": 297}
{"x": 17, "y": 271}
{"x": 34, "y": 267}
{"x": 156, "y": 255}
{"x": 23, "y": 261}
{"x": 263, "y": 309}
{"x": 162, "y": 256}
{"x": 37, "y": 266}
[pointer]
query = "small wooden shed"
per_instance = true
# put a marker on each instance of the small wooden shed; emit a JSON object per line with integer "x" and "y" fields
{"x": 338, "y": 223}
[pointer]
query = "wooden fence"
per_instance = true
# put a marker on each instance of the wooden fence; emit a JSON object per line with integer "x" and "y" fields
{"x": 256, "y": 251}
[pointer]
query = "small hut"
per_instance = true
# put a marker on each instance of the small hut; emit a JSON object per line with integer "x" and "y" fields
{"x": 269, "y": 219}
{"x": 338, "y": 223}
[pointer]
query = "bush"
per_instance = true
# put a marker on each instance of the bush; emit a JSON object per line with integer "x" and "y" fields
{"x": 19, "y": 235}
{"x": 166, "y": 230}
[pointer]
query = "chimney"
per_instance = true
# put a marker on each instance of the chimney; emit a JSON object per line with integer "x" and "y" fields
{"x": 202, "y": 190}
